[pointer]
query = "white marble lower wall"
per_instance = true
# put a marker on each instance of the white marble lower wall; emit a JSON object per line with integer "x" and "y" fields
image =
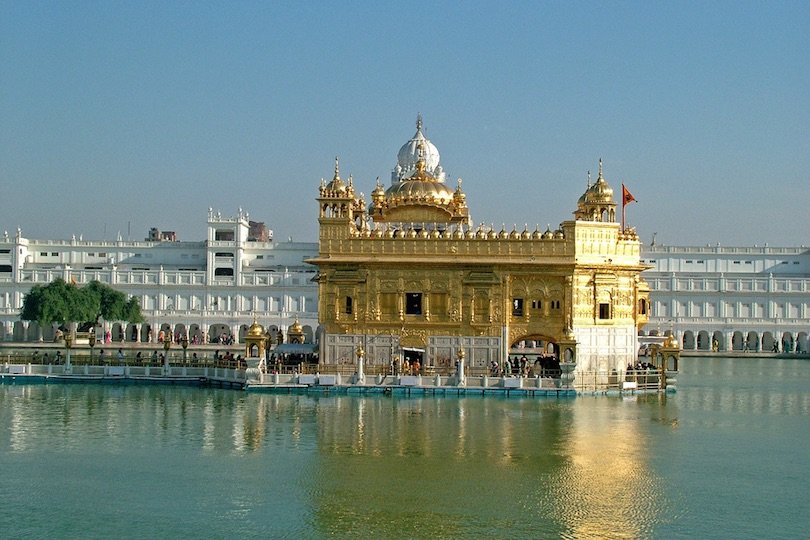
{"x": 441, "y": 351}
{"x": 605, "y": 348}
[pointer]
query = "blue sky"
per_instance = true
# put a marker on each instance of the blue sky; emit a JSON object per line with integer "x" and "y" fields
{"x": 117, "y": 116}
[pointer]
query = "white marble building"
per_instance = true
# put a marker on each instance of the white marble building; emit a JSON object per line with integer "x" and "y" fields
{"x": 730, "y": 298}
{"x": 202, "y": 290}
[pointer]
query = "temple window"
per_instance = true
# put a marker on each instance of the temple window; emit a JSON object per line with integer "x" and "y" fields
{"x": 348, "y": 308}
{"x": 517, "y": 307}
{"x": 413, "y": 303}
{"x": 604, "y": 311}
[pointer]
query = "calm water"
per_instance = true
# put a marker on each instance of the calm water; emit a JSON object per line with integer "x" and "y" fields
{"x": 725, "y": 457}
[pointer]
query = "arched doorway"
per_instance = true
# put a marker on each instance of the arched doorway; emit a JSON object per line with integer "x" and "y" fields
{"x": 532, "y": 355}
{"x": 194, "y": 334}
{"x": 703, "y": 341}
{"x": 769, "y": 343}
{"x": 146, "y": 333}
{"x": 413, "y": 350}
{"x": 718, "y": 341}
{"x": 117, "y": 330}
{"x": 179, "y": 332}
{"x": 308, "y": 334}
{"x": 737, "y": 341}
{"x": 18, "y": 333}
{"x": 688, "y": 340}
{"x": 787, "y": 342}
{"x": 219, "y": 333}
{"x": 801, "y": 342}
{"x": 752, "y": 342}
{"x": 165, "y": 332}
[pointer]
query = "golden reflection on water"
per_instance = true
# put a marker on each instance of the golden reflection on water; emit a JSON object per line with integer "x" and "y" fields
{"x": 533, "y": 466}
{"x": 606, "y": 488}
{"x": 558, "y": 469}
{"x": 396, "y": 466}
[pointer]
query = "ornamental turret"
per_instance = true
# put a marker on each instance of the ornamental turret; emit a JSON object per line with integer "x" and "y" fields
{"x": 597, "y": 203}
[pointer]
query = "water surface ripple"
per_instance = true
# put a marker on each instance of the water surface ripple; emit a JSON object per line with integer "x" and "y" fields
{"x": 724, "y": 457}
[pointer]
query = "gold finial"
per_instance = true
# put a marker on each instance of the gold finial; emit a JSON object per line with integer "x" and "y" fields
{"x": 600, "y": 170}
{"x": 419, "y": 122}
{"x": 337, "y": 169}
{"x": 421, "y": 164}
{"x": 589, "y": 179}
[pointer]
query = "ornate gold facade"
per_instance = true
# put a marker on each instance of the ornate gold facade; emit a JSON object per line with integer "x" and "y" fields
{"x": 410, "y": 272}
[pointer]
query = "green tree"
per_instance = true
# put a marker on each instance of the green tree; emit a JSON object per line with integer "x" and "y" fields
{"x": 112, "y": 305}
{"x": 62, "y": 302}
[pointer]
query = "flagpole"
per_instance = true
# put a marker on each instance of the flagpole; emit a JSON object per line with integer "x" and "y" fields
{"x": 623, "y": 206}
{"x": 624, "y": 203}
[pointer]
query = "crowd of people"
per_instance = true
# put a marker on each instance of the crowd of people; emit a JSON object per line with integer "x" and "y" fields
{"x": 641, "y": 366}
{"x": 543, "y": 366}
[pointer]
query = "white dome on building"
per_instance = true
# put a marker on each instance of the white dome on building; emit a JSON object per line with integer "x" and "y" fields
{"x": 409, "y": 154}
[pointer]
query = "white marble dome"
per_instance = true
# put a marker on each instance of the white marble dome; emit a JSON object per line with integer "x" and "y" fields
{"x": 409, "y": 154}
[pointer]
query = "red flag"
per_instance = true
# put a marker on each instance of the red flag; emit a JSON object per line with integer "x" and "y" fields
{"x": 627, "y": 197}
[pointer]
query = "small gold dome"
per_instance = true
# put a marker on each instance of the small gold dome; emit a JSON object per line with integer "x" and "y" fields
{"x": 336, "y": 184}
{"x": 672, "y": 342}
{"x": 255, "y": 330}
{"x": 296, "y": 328}
{"x": 598, "y": 193}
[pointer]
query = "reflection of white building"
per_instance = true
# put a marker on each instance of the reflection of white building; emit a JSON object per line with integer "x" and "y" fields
{"x": 732, "y": 298}
{"x": 202, "y": 289}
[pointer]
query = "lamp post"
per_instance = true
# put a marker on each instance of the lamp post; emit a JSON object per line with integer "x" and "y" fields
{"x": 92, "y": 341}
{"x": 184, "y": 344}
{"x": 460, "y": 367}
{"x": 68, "y": 345}
{"x": 361, "y": 377}
{"x": 167, "y": 344}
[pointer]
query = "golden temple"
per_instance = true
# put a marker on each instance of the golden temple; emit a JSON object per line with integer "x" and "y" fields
{"x": 410, "y": 274}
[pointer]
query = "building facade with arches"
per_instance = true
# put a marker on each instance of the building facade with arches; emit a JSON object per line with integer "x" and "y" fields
{"x": 408, "y": 273}
{"x": 731, "y": 298}
{"x": 207, "y": 292}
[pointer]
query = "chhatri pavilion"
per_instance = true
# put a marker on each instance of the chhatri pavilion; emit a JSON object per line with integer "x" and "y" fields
{"x": 409, "y": 274}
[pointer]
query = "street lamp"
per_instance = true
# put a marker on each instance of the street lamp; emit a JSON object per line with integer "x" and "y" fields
{"x": 167, "y": 344}
{"x": 68, "y": 345}
{"x": 361, "y": 377}
{"x": 92, "y": 341}
{"x": 184, "y": 344}
{"x": 461, "y": 379}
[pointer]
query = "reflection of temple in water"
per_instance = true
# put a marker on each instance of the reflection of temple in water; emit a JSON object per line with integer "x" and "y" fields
{"x": 554, "y": 469}
{"x": 409, "y": 273}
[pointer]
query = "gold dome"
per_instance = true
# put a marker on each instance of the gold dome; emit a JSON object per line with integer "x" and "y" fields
{"x": 378, "y": 195}
{"x": 336, "y": 184}
{"x": 296, "y": 328}
{"x": 421, "y": 186}
{"x": 600, "y": 192}
{"x": 672, "y": 342}
{"x": 597, "y": 203}
{"x": 418, "y": 193}
{"x": 255, "y": 330}
{"x": 428, "y": 191}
